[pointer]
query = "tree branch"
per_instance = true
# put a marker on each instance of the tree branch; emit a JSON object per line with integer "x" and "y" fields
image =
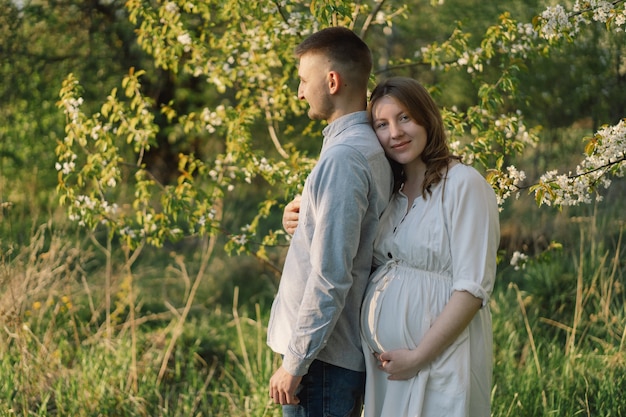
{"x": 370, "y": 17}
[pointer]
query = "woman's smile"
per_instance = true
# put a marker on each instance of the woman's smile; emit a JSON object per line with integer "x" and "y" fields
{"x": 401, "y": 145}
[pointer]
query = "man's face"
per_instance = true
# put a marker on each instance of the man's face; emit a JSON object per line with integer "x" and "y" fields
{"x": 314, "y": 87}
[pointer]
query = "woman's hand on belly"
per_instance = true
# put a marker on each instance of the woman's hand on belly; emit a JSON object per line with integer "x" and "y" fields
{"x": 400, "y": 364}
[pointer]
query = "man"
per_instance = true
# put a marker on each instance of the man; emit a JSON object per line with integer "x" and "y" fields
{"x": 314, "y": 321}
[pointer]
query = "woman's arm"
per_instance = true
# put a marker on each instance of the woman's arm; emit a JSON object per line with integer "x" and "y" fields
{"x": 455, "y": 317}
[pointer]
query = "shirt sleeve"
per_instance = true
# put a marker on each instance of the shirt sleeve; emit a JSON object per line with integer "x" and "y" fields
{"x": 338, "y": 199}
{"x": 474, "y": 231}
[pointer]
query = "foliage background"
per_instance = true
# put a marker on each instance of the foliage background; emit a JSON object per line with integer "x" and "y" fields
{"x": 178, "y": 138}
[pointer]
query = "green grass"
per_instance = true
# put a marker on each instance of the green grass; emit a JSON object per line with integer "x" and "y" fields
{"x": 559, "y": 334}
{"x": 559, "y": 331}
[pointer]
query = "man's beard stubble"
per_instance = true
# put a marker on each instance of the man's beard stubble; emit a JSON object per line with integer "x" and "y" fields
{"x": 324, "y": 111}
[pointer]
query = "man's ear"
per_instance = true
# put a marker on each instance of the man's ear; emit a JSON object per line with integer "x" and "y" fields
{"x": 334, "y": 82}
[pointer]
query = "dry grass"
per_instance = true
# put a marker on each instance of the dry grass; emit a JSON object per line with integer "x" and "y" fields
{"x": 40, "y": 274}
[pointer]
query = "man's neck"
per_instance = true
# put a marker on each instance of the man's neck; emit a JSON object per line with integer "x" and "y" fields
{"x": 343, "y": 112}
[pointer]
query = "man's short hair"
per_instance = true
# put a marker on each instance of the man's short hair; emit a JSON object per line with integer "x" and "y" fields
{"x": 352, "y": 56}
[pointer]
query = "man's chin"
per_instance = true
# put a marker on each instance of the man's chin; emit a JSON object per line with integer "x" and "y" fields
{"x": 313, "y": 116}
{"x": 316, "y": 116}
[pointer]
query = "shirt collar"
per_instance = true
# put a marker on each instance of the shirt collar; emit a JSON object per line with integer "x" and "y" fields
{"x": 333, "y": 130}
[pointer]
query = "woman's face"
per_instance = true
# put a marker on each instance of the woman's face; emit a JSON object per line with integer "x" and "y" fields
{"x": 401, "y": 137}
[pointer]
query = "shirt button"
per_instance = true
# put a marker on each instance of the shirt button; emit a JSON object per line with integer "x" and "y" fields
{"x": 389, "y": 255}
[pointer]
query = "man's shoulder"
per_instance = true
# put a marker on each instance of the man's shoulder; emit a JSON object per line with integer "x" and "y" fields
{"x": 358, "y": 149}
{"x": 359, "y": 138}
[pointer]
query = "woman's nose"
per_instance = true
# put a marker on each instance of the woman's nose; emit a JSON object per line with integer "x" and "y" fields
{"x": 395, "y": 131}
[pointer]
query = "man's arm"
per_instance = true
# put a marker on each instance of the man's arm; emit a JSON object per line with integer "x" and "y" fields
{"x": 338, "y": 196}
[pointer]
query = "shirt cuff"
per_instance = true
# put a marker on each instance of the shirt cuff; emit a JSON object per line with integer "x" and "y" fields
{"x": 295, "y": 365}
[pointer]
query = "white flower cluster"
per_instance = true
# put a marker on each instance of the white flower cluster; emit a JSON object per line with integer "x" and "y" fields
{"x": 216, "y": 172}
{"x": 263, "y": 165}
{"x": 297, "y": 24}
{"x": 127, "y": 231}
{"x": 171, "y": 17}
{"x": 509, "y": 183}
{"x": 455, "y": 146}
{"x": 72, "y": 108}
{"x": 185, "y": 40}
{"x": 620, "y": 20}
{"x": 240, "y": 239}
{"x": 252, "y": 53}
{"x": 149, "y": 225}
{"x": 556, "y": 21}
{"x": 518, "y": 260}
{"x": 602, "y": 11}
{"x": 171, "y": 8}
{"x": 471, "y": 59}
{"x": 522, "y": 43}
{"x": 68, "y": 165}
{"x": 224, "y": 171}
{"x": 512, "y": 126}
{"x": 202, "y": 220}
{"x": 609, "y": 156}
{"x": 516, "y": 177}
{"x": 519, "y": 43}
{"x": 213, "y": 119}
{"x": 85, "y": 207}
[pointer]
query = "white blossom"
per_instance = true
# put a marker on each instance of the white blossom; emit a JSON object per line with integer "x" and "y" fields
{"x": 577, "y": 187}
{"x": 66, "y": 168}
{"x": 518, "y": 260}
{"x": 241, "y": 239}
{"x": 555, "y": 21}
{"x": 171, "y": 7}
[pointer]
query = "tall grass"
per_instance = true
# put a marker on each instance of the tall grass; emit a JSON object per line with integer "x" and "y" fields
{"x": 59, "y": 357}
{"x": 560, "y": 329}
{"x": 559, "y": 333}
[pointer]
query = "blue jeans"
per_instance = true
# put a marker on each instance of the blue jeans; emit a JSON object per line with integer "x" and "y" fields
{"x": 328, "y": 391}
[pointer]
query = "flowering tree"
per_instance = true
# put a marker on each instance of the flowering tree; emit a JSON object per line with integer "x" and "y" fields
{"x": 243, "y": 51}
{"x": 606, "y": 150}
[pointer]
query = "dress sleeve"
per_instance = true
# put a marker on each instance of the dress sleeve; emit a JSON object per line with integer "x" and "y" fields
{"x": 474, "y": 230}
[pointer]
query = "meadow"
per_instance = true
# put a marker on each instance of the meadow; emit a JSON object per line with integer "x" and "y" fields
{"x": 160, "y": 109}
{"x": 181, "y": 331}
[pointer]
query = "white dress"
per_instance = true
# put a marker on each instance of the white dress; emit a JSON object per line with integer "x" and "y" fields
{"x": 444, "y": 243}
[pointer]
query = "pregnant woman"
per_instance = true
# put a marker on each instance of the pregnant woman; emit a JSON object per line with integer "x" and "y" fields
{"x": 425, "y": 319}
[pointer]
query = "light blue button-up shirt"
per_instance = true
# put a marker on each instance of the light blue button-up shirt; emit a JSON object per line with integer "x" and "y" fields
{"x": 316, "y": 312}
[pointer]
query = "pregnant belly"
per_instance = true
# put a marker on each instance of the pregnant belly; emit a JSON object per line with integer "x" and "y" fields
{"x": 399, "y": 307}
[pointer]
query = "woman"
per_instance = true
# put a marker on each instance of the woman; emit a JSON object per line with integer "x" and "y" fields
{"x": 425, "y": 318}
